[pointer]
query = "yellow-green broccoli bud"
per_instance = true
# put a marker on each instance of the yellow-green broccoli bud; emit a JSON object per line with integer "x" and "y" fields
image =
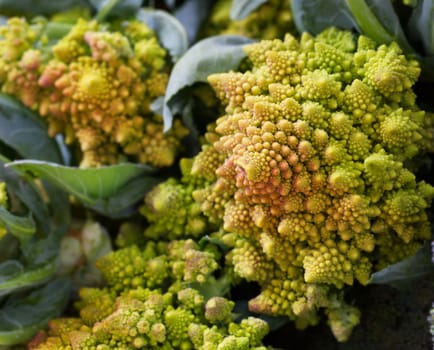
{"x": 219, "y": 310}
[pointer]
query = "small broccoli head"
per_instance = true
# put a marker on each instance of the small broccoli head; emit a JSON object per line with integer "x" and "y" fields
{"x": 316, "y": 140}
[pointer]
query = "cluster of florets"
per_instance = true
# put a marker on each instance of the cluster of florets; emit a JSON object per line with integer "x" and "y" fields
{"x": 272, "y": 19}
{"x": 170, "y": 208}
{"x": 153, "y": 299}
{"x": 95, "y": 86}
{"x": 314, "y": 181}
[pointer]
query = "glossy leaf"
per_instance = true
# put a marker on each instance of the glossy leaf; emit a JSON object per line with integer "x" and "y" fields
{"x": 170, "y": 32}
{"x": 211, "y": 55}
{"x": 242, "y": 8}
{"x": 404, "y": 273}
{"x": 106, "y": 189}
{"x": 25, "y": 132}
{"x": 21, "y": 317}
{"x": 332, "y": 12}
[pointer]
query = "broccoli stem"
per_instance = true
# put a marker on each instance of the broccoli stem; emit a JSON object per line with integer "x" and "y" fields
{"x": 105, "y": 10}
{"x": 368, "y": 22}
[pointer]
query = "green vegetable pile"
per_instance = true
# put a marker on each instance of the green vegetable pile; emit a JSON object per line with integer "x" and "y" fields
{"x": 216, "y": 175}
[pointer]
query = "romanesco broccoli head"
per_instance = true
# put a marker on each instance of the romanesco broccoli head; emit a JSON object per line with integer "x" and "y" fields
{"x": 314, "y": 180}
{"x": 95, "y": 86}
{"x": 154, "y": 299}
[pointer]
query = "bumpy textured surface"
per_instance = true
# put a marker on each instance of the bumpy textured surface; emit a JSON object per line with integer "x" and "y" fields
{"x": 270, "y": 20}
{"x": 171, "y": 210}
{"x": 95, "y": 86}
{"x": 153, "y": 300}
{"x": 316, "y": 139}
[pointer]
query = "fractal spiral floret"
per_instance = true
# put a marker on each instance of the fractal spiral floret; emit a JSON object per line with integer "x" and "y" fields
{"x": 314, "y": 179}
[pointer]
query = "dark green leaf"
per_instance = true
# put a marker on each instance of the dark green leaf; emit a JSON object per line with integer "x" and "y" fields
{"x": 27, "y": 193}
{"x": 121, "y": 204}
{"x": 60, "y": 211}
{"x": 10, "y": 269}
{"x": 116, "y": 8}
{"x": 422, "y": 25}
{"x": 211, "y": 55}
{"x": 314, "y": 16}
{"x": 9, "y": 248}
{"x": 242, "y": 8}
{"x": 21, "y": 227}
{"x": 37, "y": 251}
{"x": 170, "y": 32}
{"x": 21, "y": 318}
{"x": 192, "y": 14}
{"x": 97, "y": 188}
{"x": 14, "y": 276}
{"x": 24, "y": 131}
{"x": 38, "y": 7}
{"x": 407, "y": 272}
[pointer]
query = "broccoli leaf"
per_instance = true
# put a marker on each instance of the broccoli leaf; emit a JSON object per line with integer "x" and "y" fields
{"x": 15, "y": 276}
{"x": 28, "y": 194}
{"x": 120, "y": 204}
{"x": 21, "y": 227}
{"x": 192, "y": 13}
{"x": 21, "y": 317}
{"x": 211, "y": 55}
{"x": 24, "y": 131}
{"x": 404, "y": 273}
{"x": 242, "y": 8}
{"x": 333, "y": 13}
{"x": 107, "y": 189}
{"x": 118, "y": 8}
{"x": 422, "y": 25}
{"x": 170, "y": 32}
{"x": 38, "y": 7}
